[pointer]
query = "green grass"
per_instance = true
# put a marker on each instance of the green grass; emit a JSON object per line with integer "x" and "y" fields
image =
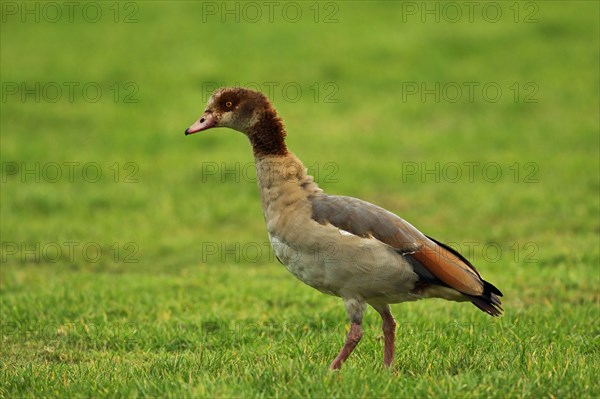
{"x": 185, "y": 299}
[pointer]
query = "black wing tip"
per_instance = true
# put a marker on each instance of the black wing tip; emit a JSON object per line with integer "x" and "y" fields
{"x": 489, "y": 301}
{"x": 490, "y": 289}
{"x": 492, "y": 309}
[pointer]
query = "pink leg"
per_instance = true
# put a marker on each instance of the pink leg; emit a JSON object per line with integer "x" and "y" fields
{"x": 389, "y": 334}
{"x": 352, "y": 340}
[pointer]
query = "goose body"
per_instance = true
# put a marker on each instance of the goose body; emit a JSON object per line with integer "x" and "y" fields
{"x": 342, "y": 246}
{"x": 327, "y": 258}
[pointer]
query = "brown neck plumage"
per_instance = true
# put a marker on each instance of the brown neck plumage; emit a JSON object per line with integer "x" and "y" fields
{"x": 267, "y": 136}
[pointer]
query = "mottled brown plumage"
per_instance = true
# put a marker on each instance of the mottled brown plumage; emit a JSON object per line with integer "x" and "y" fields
{"x": 267, "y": 136}
{"x": 342, "y": 246}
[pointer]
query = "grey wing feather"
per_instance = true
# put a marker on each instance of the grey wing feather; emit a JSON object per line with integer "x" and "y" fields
{"x": 364, "y": 219}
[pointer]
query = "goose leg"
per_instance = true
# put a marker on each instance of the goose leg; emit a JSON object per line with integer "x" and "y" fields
{"x": 355, "y": 309}
{"x": 389, "y": 333}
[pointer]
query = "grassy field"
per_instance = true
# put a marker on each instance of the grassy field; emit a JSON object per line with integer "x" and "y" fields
{"x": 135, "y": 261}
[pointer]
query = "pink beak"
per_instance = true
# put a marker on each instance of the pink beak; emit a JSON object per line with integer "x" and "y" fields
{"x": 205, "y": 122}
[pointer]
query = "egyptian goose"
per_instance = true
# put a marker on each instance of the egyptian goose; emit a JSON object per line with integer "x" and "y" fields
{"x": 342, "y": 246}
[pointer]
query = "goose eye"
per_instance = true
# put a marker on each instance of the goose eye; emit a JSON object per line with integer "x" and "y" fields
{"x": 228, "y": 104}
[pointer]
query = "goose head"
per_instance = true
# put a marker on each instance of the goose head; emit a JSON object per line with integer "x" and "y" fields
{"x": 246, "y": 111}
{"x": 233, "y": 107}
